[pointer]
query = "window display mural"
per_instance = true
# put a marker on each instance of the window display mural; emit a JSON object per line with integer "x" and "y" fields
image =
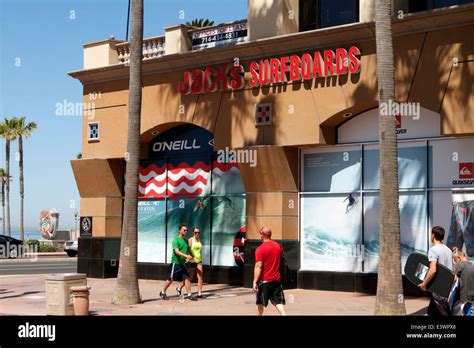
{"x": 450, "y": 209}
{"x": 331, "y": 233}
{"x": 331, "y": 223}
{"x": 340, "y": 205}
{"x": 151, "y": 231}
{"x": 461, "y": 231}
{"x": 182, "y": 182}
{"x": 228, "y": 219}
{"x": 194, "y": 211}
{"x": 333, "y": 170}
{"x": 452, "y": 202}
{"x": 413, "y": 227}
{"x": 412, "y": 162}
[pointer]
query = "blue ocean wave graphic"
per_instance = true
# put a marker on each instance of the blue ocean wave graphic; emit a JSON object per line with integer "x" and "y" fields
{"x": 320, "y": 242}
{"x": 372, "y": 248}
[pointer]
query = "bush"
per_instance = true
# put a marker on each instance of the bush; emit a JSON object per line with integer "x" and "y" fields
{"x": 46, "y": 248}
{"x": 32, "y": 243}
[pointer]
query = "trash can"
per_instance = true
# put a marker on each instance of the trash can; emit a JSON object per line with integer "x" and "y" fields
{"x": 80, "y": 296}
{"x": 59, "y": 300}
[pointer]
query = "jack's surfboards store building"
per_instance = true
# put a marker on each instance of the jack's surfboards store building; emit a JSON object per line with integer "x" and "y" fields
{"x": 273, "y": 121}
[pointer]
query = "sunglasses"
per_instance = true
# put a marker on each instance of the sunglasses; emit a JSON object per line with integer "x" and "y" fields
{"x": 197, "y": 232}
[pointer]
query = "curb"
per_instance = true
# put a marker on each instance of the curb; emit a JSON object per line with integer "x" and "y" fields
{"x": 55, "y": 254}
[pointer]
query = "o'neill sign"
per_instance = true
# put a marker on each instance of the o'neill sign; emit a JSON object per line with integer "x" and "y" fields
{"x": 273, "y": 70}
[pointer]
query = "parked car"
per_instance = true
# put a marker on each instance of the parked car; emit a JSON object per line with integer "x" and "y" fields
{"x": 71, "y": 247}
{"x": 10, "y": 248}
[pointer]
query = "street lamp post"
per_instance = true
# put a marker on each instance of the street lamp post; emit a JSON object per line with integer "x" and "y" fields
{"x": 76, "y": 219}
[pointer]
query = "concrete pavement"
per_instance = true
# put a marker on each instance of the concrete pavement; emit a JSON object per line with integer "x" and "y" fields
{"x": 25, "y": 295}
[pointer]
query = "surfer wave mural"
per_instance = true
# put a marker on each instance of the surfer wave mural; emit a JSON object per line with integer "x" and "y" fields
{"x": 186, "y": 184}
{"x": 339, "y": 225}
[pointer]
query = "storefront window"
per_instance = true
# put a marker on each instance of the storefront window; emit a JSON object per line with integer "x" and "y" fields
{"x": 340, "y": 224}
{"x": 331, "y": 233}
{"x": 178, "y": 187}
{"x": 152, "y": 231}
{"x": 332, "y": 170}
{"x": 332, "y": 226}
{"x": 315, "y": 14}
{"x": 308, "y": 15}
{"x": 424, "y": 5}
{"x": 452, "y": 197}
{"x": 413, "y": 227}
{"x": 228, "y": 218}
{"x": 195, "y": 212}
{"x": 411, "y": 166}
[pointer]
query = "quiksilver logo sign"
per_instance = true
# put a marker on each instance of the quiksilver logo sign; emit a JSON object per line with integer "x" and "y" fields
{"x": 176, "y": 145}
{"x": 398, "y": 126}
{"x": 466, "y": 174}
{"x": 37, "y": 331}
{"x": 466, "y": 170}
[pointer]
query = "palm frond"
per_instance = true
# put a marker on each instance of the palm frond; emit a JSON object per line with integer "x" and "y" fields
{"x": 200, "y": 23}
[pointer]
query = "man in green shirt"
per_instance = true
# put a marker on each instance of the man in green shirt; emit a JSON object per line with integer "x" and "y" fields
{"x": 179, "y": 269}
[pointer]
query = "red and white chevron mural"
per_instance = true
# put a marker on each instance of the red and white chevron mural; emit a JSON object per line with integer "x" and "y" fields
{"x": 181, "y": 180}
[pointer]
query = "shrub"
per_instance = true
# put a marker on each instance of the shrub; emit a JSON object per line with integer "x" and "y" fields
{"x": 32, "y": 243}
{"x": 47, "y": 248}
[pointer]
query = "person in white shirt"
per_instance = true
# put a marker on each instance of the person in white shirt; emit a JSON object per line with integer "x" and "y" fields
{"x": 437, "y": 254}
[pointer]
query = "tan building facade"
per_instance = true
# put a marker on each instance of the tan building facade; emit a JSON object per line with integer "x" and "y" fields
{"x": 434, "y": 68}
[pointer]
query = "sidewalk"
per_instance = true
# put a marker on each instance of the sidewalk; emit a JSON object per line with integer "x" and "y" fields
{"x": 25, "y": 295}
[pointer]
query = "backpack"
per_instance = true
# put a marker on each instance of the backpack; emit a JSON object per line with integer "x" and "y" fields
{"x": 285, "y": 272}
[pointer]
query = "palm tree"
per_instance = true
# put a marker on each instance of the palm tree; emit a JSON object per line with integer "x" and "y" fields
{"x": 22, "y": 130}
{"x": 389, "y": 300}
{"x": 127, "y": 290}
{"x": 200, "y": 23}
{"x": 3, "y": 180}
{"x": 79, "y": 155}
{"x": 7, "y": 128}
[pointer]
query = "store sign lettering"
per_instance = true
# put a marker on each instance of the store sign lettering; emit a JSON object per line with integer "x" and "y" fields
{"x": 175, "y": 145}
{"x": 274, "y": 70}
{"x": 398, "y": 126}
{"x": 226, "y": 77}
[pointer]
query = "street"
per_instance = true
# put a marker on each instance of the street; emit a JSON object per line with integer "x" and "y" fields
{"x": 39, "y": 265}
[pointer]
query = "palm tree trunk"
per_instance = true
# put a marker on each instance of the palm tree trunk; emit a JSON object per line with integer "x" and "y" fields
{"x": 22, "y": 191}
{"x": 3, "y": 205}
{"x": 127, "y": 290}
{"x": 389, "y": 300}
{"x": 7, "y": 184}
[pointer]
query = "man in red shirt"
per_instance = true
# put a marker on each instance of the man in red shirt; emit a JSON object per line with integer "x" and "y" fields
{"x": 267, "y": 279}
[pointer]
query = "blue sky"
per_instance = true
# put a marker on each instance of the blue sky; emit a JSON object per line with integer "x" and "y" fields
{"x": 44, "y": 38}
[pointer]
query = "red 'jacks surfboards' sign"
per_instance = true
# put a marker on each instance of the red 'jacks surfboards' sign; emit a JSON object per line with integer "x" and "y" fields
{"x": 274, "y": 70}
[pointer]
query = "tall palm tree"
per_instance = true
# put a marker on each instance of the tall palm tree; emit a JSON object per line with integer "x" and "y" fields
{"x": 200, "y": 23}
{"x": 389, "y": 300}
{"x": 22, "y": 130}
{"x": 7, "y": 128}
{"x": 3, "y": 180}
{"x": 127, "y": 290}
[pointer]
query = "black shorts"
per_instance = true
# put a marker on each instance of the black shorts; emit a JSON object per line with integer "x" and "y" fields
{"x": 178, "y": 272}
{"x": 193, "y": 264}
{"x": 271, "y": 291}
